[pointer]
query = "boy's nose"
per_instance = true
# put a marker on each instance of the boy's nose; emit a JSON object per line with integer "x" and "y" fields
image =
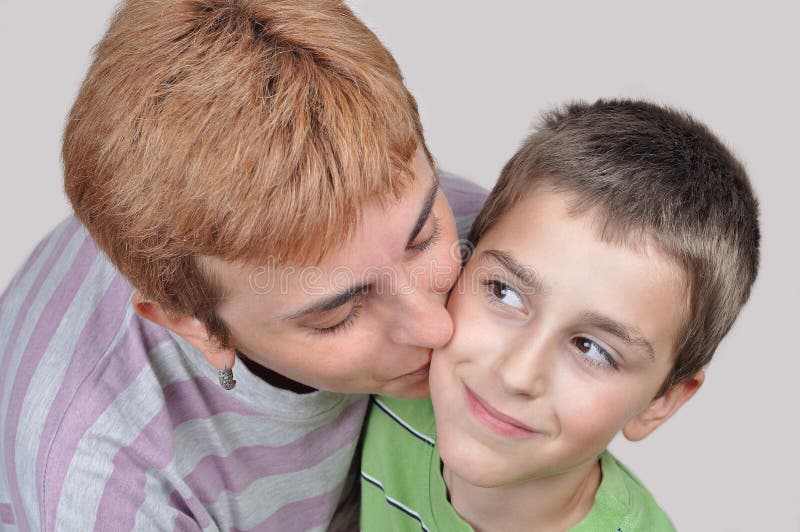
{"x": 524, "y": 370}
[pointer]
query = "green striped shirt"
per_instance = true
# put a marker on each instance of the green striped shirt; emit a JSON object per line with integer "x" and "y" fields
{"x": 402, "y": 488}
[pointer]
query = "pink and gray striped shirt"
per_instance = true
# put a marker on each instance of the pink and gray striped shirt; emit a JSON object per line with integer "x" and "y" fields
{"x": 110, "y": 422}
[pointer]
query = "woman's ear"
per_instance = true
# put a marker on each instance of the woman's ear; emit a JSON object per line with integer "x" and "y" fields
{"x": 661, "y": 409}
{"x": 189, "y": 328}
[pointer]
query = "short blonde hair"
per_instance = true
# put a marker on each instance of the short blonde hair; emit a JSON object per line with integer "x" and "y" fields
{"x": 244, "y": 130}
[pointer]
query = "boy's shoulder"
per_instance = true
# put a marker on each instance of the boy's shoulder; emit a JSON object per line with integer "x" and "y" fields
{"x": 623, "y": 503}
{"x": 412, "y": 416}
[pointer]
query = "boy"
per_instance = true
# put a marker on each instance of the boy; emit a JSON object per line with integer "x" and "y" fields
{"x": 214, "y": 151}
{"x": 611, "y": 258}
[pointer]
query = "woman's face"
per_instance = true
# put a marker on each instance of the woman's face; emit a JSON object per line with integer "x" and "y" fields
{"x": 366, "y": 319}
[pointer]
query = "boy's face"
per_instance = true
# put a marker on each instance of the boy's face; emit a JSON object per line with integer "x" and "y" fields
{"x": 367, "y": 318}
{"x": 560, "y": 340}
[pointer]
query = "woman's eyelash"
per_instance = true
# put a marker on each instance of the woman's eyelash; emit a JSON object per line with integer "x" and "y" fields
{"x": 356, "y": 310}
{"x": 344, "y": 324}
{"x": 431, "y": 240}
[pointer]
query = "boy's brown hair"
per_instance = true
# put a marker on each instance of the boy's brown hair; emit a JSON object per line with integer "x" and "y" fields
{"x": 252, "y": 131}
{"x": 646, "y": 171}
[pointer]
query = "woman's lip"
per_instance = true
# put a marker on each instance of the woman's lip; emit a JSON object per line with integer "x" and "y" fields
{"x": 422, "y": 370}
{"x": 494, "y": 419}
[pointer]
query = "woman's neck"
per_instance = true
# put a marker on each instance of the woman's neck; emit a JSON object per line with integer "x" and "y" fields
{"x": 553, "y": 503}
{"x": 274, "y": 379}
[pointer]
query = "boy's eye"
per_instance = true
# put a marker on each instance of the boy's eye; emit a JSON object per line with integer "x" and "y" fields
{"x": 594, "y": 354}
{"x": 500, "y": 292}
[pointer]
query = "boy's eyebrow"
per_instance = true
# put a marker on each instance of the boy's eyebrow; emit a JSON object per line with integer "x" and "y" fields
{"x": 427, "y": 207}
{"x": 525, "y": 275}
{"x": 629, "y": 335}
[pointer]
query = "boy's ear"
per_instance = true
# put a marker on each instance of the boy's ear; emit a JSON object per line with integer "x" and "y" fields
{"x": 189, "y": 328}
{"x": 661, "y": 409}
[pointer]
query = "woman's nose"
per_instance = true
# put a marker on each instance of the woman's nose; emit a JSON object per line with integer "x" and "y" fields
{"x": 424, "y": 322}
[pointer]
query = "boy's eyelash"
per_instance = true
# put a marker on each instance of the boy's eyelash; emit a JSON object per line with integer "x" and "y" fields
{"x": 611, "y": 362}
{"x": 344, "y": 324}
{"x": 491, "y": 283}
{"x": 431, "y": 240}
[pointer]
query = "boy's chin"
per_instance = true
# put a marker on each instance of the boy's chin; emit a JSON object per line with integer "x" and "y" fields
{"x": 476, "y": 477}
{"x": 465, "y": 464}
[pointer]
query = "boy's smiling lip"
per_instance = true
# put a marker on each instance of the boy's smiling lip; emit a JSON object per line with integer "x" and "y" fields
{"x": 495, "y": 420}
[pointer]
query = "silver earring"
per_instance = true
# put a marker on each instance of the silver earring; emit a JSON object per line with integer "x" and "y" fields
{"x": 226, "y": 378}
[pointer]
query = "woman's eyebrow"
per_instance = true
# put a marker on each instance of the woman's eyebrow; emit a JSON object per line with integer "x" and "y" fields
{"x": 427, "y": 207}
{"x": 336, "y": 300}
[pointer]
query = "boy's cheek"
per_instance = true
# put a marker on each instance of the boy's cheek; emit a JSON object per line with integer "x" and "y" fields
{"x": 592, "y": 421}
{"x": 462, "y": 346}
{"x": 463, "y": 306}
{"x": 446, "y": 362}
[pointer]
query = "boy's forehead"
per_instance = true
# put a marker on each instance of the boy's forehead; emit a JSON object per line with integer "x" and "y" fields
{"x": 541, "y": 206}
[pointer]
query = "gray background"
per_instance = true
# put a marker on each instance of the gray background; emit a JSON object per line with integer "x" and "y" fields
{"x": 728, "y": 461}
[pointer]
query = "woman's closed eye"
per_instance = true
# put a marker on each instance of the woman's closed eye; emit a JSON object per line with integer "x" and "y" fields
{"x": 339, "y": 319}
{"x": 430, "y": 240}
{"x": 346, "y": 322}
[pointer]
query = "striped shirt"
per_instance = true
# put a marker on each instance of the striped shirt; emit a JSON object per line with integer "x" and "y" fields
{"x": 403, "y": 490}
{"x": 110, "y": 422}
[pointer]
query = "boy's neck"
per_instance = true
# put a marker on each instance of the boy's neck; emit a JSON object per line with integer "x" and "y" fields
{"x": 553, "y": 503}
